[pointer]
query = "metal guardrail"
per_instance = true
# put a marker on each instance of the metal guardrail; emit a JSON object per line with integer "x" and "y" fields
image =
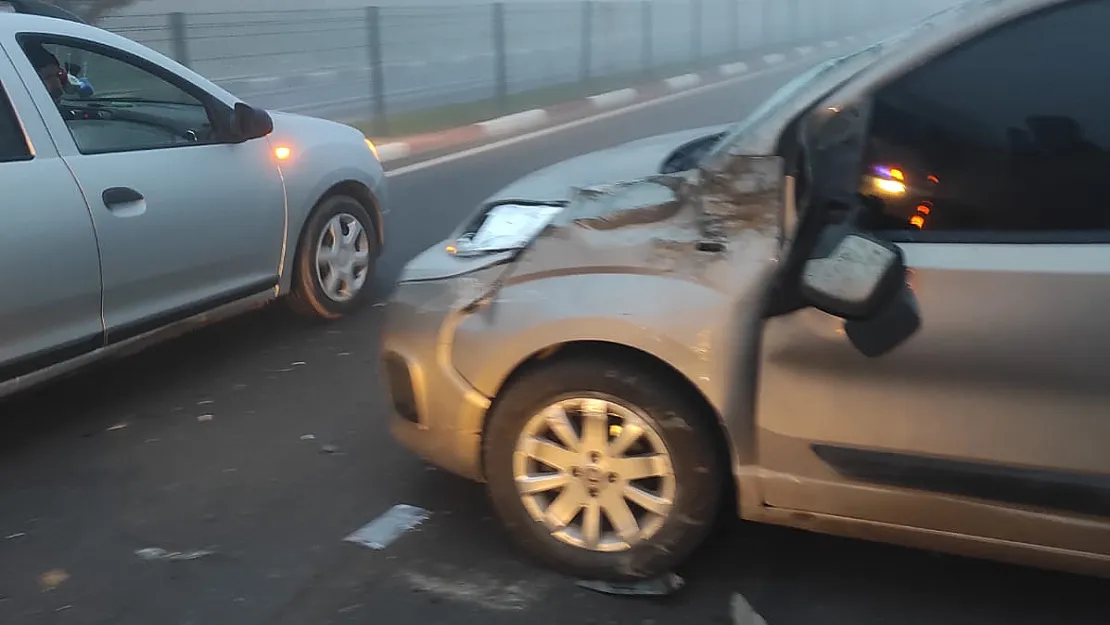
{"x": 372, "y": 62}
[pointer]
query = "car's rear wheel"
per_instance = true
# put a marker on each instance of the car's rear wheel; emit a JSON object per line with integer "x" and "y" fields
{"x": 335, "y": 261}
{"x": 602, "y": 469}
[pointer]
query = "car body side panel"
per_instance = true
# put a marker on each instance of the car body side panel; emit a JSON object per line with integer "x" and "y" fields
{"x": 994, "y": 413}
{"x": 50, "y": 308}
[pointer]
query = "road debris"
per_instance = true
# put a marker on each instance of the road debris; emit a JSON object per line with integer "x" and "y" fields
{"x": 379, "y": 533}
{"x": 743, "y": 613}
{"x": 656, "y": 587}
{"x": 53, "y": 578}
{"x": 15, "y": 535}
{"x": 204, "y": 418}
{"x": 329, "y": 449}
{"x": 308, "y": 437}
{"x": 157, "y": 553}
{"x": 116, "y": 427}
{"x": 477, "y": 589}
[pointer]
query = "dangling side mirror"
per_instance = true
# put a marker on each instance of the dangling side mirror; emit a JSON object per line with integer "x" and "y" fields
{"x": 862, "y": 279}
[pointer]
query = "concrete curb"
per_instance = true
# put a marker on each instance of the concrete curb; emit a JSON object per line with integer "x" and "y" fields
{"x": 396, "y": 149}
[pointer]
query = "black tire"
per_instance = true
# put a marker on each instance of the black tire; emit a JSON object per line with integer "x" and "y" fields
{"x": 308, "y": 296}
{"x": 690, "y": 438}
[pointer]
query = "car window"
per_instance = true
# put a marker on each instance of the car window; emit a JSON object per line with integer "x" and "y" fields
{"x": 13, "y": 143}
{"x": 111, "y": 103}
{"x": 1005, "y": 136}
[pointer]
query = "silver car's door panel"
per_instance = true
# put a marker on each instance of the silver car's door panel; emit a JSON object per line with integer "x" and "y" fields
{"x": 49, "y": 267}
{"x": 996, "y": 414}
{"x": 182, "y": 229}
{"x": 207, "y": 231}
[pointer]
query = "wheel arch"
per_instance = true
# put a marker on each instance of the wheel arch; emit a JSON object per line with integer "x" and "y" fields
{"x": 618, "y": 352}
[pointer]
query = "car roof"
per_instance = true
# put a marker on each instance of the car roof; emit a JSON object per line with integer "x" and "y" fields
{"x": 11, "y": 23}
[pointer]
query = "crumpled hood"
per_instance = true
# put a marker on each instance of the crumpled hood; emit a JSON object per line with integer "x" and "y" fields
{"x": 628, "y": 161}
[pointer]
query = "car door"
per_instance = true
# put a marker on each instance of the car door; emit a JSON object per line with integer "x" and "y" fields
{"x": 49, "y": 271}
{"x": 185, "y": 221}
{"x": 989, "y": 165}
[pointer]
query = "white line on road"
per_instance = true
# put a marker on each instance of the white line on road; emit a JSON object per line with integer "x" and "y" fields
{"x": 543, "y": 132}
{"x": 379, "y": 533}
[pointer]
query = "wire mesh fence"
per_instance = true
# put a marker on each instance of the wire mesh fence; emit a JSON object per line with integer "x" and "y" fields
{"x": 373, "y": 61}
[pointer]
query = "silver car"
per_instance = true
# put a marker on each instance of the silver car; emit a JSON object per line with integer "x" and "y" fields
{"x": 871, "y": 308}
{"x": 138, "y": 199}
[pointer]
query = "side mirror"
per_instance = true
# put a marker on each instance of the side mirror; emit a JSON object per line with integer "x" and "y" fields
{"x": 249, "y": 123}
{"x": 862, "y": 279}
{"x": 856, "y": 277}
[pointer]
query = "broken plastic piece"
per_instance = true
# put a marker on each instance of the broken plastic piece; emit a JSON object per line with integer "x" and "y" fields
{"x": 656, "y": 587}
{"x": 382, "y": 531}
{"x": 743, "y": 613}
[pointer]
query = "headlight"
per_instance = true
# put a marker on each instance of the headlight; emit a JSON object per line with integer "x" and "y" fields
{"x": 504, "y": 227}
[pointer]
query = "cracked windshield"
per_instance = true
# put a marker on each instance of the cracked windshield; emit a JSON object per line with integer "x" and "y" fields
{"x": 599, "y": 312}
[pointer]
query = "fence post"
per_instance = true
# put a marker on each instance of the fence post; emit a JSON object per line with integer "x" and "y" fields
{"x": 500, "y": 63}
{"x": 179, "y": 40}
{"x": 587, "y": 42}
{"x": 695, "y": 30}
{"x": 377, "y": 74}
{"x": 647, "y": 36}
{"x": 734, "y": 28}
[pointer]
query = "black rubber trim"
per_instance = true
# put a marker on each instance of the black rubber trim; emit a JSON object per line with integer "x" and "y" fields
{"x": 49, "y": 357}
{"x": 1079, "y": 493}
{"x": 124, "y": 332}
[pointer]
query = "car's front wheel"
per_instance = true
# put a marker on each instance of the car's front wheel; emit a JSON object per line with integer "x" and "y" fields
{"x": 602, "y": 469}
{"x": 335, "y": 261}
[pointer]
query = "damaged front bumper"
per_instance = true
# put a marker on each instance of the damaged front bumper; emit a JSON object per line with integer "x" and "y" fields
{"x": 435, "y": 412}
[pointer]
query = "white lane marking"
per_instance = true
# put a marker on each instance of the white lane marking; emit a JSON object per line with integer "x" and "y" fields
{"x": 684, "y": 81}
{"x": 731, "y": 69}
{"x": 614, "y": 98}
{"x": 513, "y": 123}
{"x": 379, "y": 533}
{"x": 772, "y": 59}
{"x": 393, "y": 151}
{"x": 262, "y": 79}
{"x": 543, "y": 132}
{"x": 478, "y": 589}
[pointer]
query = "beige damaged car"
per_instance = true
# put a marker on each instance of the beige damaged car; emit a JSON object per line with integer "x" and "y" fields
{"x": 874, "y": 308}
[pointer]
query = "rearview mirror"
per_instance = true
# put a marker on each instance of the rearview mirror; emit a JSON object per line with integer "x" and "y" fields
{"x": 856, "y": 277}
{"x": 249, "y": 123}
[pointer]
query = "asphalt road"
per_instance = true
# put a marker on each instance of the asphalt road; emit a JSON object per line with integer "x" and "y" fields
{"x": 263, "y": 442}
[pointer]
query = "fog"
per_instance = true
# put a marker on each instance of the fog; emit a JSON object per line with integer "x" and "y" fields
{"x": 333, "y": 58}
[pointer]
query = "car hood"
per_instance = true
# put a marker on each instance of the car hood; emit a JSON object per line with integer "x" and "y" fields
{"x": 628, "y": 161}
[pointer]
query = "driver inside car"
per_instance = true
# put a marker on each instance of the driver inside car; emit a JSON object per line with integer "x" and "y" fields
{"x": 50, "y": 71}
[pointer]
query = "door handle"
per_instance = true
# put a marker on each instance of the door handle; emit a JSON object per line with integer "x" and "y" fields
{"x": 120, "y": 195}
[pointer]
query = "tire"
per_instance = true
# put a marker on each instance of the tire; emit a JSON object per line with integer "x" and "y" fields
{"x": 310, "y": 295}
{"x": 689, "y": 437}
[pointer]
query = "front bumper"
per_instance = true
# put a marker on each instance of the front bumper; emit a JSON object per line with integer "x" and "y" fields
{"x": 435, "y": 412}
